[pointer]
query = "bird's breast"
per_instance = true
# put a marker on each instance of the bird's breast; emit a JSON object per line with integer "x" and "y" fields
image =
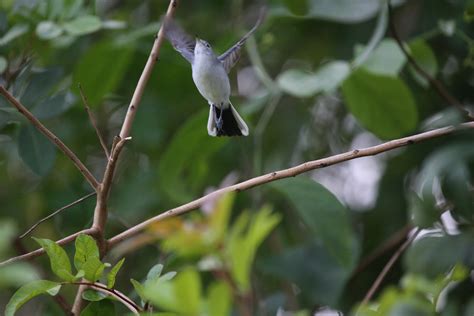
{"x": 211, "y": 79}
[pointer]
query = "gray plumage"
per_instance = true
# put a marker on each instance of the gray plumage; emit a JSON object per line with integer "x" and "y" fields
{"x": 210, "y": 74}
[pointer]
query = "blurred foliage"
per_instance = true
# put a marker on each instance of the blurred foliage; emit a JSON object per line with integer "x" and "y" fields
{"x": 320, "y": 77}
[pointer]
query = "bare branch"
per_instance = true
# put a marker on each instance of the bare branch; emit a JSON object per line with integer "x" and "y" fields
{"x": 291, "y": 172}
{"x": 122, "y": 298}
{"x": 388, "y": 266}
{"x": 39, "y": 252}
{"x": 152, "y": 58}
{"x": 85, "y": 197}
{"x": 435, "y": 84}
{"x": 93, "y": 122}
{"x": 51, "y": 136}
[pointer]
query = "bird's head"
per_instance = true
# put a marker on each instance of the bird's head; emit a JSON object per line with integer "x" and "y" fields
{"x": 202, "y": 47}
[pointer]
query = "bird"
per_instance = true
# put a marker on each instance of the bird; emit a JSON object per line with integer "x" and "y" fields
{"x": 210, "y": 75}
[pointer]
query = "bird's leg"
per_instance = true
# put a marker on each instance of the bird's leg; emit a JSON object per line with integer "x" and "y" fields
{"x": 219, "y": 120}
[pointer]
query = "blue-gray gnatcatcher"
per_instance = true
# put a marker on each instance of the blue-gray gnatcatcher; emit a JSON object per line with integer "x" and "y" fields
{"x": 210, "y": 74}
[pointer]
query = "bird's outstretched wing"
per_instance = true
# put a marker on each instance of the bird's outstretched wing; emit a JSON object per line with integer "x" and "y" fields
{"x": 181, "y": 41}
{"x": 232, "y": 55}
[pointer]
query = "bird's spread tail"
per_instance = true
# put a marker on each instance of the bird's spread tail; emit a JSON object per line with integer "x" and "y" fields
{"x": 226, "y": 121}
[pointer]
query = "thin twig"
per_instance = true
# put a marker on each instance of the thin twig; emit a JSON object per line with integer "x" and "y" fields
{"x": 51, "y": 136}
{"x": 291, "y": 172}
{"x": 93, "y": 122}
{"x": 40, "y": 251}
{"x": 131, "y": 305}
{"x": 435, "y": 84}
{"x": 57, "y": 212}
{"x": 388, "y": 266}
{"x": 386, "y": 246}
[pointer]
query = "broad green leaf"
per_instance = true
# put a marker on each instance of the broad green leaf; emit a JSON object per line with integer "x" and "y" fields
{"x": 3, "y": 64}
{"x": 86, "y": 248}
{"x": 386, "y": 59}
{"x": 312, "y": 268}
{"x": 54, "y": 105}
{"x": 93, "y": 269}
{"x": 29, "y": 291}
{"x": 58, "y": 258}
{"x": 83, "y": 25}
{"x": 36, "y": 150}
{"x": 425, "y": 58}
{"x": 101, "y": 69}
{"x": 93, "y": 295}
{"x": 323, "y": 214}
{"x": 47, "y": 30}
{"x": 219, "y": 299}
{"x": 423, "y": 257}
{"x": 305, "y": 84}
{"x": 100, "y": 308}
{"x": 246, "y": 235}
{"x": 113, "y": 273}
{"x": 383, "y": 104}
{"x": 16, "y": 31}
{"x": 186, "y": 157}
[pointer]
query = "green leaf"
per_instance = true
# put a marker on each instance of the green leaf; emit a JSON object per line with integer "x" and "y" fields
{"x": 113, "y": 273}
{"x": 93, "y": 295}
{"x": 219, "y": 299}
{"x": 16, "y": 31}
{"x": 54, "y": 106}
{"x": 139, "y": 288}
{"x": 93, "y": 269}
{"x": 423, "y": 211}
{"x": 384, "y": 105}
{"x": 323, "y": 214}
{"x": 425, "y": 58}
{"x": 28, "y": 291}
{"x": 3, "y": 64}
{"x": 305, "y": 84}
{"x": 191, "y": 140}
{"x": 246, "y": 235}
{"x": 100, "y": 308}
{"x": 83, "y": 25}
{"x": 58, "y": 258}
{"x": 154, "y": 272}
{"x": 47, "y": 30}
{"x": 86, "y": 248}
{"x": 101, "y": 69}
{"x": 424, "y": 258}
{"x": 320, "y": 277}
{"x": 386, "y": 59}
{"x": 36, "y": 150}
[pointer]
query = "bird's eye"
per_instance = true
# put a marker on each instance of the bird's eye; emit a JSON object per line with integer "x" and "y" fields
{"x": 209, "y": 46}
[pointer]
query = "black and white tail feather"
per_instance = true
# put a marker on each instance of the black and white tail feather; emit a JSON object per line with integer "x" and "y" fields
{"x": 226, "y": 121}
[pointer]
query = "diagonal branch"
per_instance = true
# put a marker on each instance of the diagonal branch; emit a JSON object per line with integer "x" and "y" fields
{"x": 51, "y": 136}
{"x": 263, "y": 179}
{"x": 93, "y": 122}
{"x": 435, "y": 84}
{"x": 291, "y": 172}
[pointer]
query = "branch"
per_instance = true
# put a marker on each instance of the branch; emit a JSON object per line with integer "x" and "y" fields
{"x": 39, "y": 252}
{"x": 122, "y": 298}
{"x": 435, "y": 84}
{"x": 388, "y": 266}
{"x": 291, "y": 172}
{"x": 85, "y": 197}
{"x": 51, "y": 136}
{"x": 93, "y": 122}
{"x": 147, "y": 70}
